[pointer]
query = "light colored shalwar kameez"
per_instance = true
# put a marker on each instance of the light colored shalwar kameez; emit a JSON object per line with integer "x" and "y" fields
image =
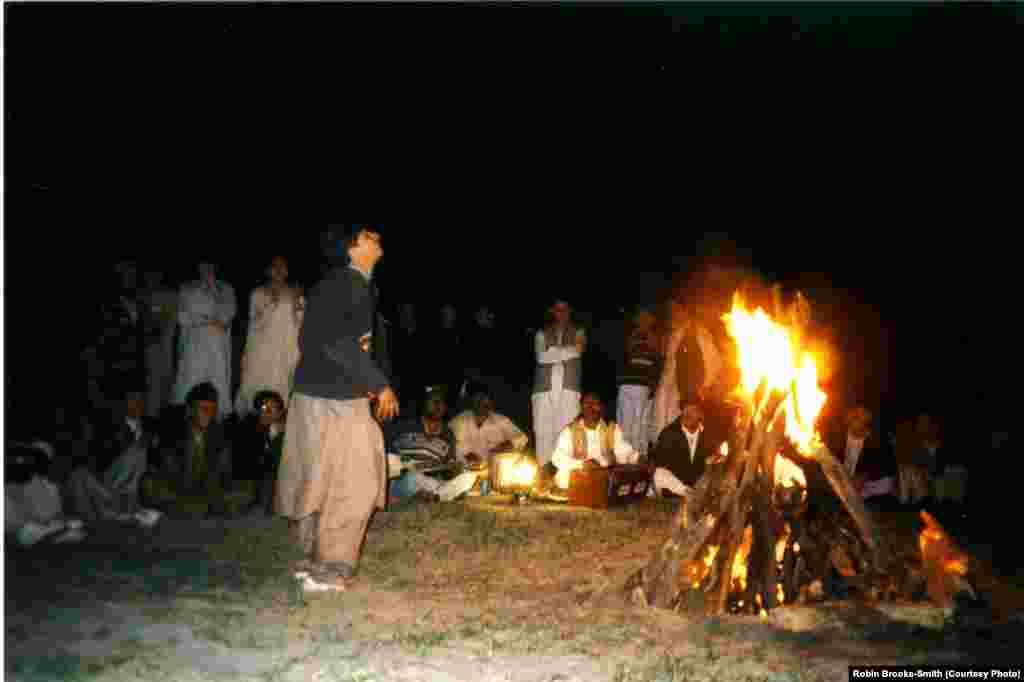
{"x": 333, "y": 474}
{"x": 204, "y": 352}
{"x": 271, "y": 346}
{"x": 557, "y": 404}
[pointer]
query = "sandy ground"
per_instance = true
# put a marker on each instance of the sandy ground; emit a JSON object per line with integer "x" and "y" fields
{"x": 446, "y": 593}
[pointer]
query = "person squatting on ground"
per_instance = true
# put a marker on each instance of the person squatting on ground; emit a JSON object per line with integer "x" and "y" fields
{"x": 32, "y": 502}
{"x": 111, "y": 492}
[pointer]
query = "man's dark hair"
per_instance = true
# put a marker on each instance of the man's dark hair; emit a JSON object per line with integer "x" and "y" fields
{"x": 263, "y": 396}
{"x": 340, "y": 237}
{"x": 201, "y": 392}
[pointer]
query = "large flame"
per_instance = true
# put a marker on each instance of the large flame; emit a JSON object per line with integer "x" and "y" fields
{"x": 768, "y": 352}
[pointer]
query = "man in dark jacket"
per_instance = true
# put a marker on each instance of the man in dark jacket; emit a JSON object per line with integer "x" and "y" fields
{"x": 684, "y": 449}
{"x": 333, "y": 468}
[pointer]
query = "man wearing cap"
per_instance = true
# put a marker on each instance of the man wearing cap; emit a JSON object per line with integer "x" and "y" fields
{"x": 333, "y": 468}
{"x": 206, "y": 308}
{"x": 32, "y": 502}
{"x": 559, "y": 350}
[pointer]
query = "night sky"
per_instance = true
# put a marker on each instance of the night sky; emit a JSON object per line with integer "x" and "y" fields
{"x": 515, "y": 153}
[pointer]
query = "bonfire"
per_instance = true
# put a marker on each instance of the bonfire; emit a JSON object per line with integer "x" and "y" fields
{"x": 743, "y": 542}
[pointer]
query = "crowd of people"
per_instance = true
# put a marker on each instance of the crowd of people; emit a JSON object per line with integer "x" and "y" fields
{"x": 313, "y": 428}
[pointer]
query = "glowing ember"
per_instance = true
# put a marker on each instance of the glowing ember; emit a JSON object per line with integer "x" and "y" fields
{"x": 767, "y": 352}
{"x": 788, "y": 474}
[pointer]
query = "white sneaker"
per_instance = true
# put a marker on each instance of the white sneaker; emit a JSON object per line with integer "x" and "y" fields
{"x": 309, "y": 584}
{"x": 70, "y": 535}
{"x": 148, "y": 517}
{"x": 74, "y": 524}
{"x": 33, "y": 532}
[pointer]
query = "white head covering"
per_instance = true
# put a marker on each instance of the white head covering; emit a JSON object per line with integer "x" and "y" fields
{"x": 45, "y": 448}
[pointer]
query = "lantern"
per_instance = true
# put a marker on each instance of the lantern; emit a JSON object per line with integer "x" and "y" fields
{"x": 514, "y": 473}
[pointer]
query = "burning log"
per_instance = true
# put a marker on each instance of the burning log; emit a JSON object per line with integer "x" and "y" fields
{"x": 743, "y": 541}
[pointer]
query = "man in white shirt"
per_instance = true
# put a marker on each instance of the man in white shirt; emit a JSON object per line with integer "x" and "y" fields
{"x": 590, "y": 442}
{"x": 559, "y": 350}
{"x": 481, "y": 432}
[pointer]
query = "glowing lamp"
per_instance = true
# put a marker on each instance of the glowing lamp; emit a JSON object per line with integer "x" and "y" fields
{"x": 514, "y": 473}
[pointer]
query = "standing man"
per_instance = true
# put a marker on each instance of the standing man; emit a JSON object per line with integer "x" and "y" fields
{"x": 206, "y": 309}
{"x": 637, "y": 380}
{"x": 333, "y": 469}
{"x": 161, "y": 306}
{"x": 559, "y": 348}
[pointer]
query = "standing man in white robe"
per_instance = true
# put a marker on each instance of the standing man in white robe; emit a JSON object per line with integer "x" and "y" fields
{"x": 206, "y": 308}
{"x": 559, "y": 349}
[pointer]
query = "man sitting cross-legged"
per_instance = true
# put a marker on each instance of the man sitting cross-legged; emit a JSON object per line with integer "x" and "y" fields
{"x": 421, "y": 454}
{"x": 110, "y": 489}
{"x": 683, "y": 450}
{"x": 32, "y": 502}
{"x": 590, "y": 442}
{"x": 197, "y": 454}
{"x": 481, "y": 433}
{"x": 258, "y": 441}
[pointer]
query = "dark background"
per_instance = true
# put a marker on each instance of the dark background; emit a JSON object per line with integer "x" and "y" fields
{"x": 864, "y": 152}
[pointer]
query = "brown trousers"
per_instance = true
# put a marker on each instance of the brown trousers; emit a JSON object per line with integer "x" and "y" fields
{"x": 332, "y": 476}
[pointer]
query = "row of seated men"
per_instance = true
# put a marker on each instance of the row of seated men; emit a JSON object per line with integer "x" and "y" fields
{"x": 438, "y": 460}
{"x": 137, "y": 463}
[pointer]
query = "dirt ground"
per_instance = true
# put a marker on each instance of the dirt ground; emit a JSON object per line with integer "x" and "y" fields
{"x": 478, "y": 591}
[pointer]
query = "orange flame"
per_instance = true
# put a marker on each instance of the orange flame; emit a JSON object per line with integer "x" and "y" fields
{"x": 769, "y": 352}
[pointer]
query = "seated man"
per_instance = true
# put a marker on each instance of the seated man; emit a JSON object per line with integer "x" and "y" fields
{"x": 872, "y": 469}
{"x": 32, "y": 502}
{"x": 590, "y": 442}
{"x": 197, "y": 455}
{"x": 481, "y": 433}
{"x": 421, "y": 454}
{"x": 109, "y": 490}
{"x": 683, "y": 450}
{"x": 257, "y": 447}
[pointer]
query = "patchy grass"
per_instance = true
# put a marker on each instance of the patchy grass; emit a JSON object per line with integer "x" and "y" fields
{"x": 485, "y": 581}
